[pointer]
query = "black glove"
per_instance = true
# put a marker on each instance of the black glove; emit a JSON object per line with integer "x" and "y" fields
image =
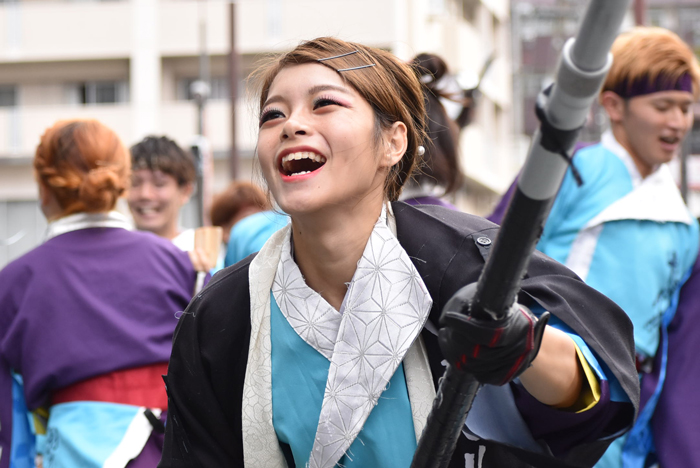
{"x": 493, "y": 351}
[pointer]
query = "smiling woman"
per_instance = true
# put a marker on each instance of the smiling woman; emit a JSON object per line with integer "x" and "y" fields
{"x": 318, "y": 351}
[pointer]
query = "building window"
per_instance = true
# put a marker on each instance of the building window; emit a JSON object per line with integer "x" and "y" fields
{"x": 8, "y": 95}
{"x": 98, "y": 92}
{"x": 219, "y": 88}
{"x": 468, "y": 9}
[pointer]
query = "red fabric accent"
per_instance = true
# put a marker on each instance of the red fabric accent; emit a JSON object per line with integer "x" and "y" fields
{"x": 462, "y": 360}
{"x": 513, "y": 369}
{"x": 477, "y": 348}
{"x": 496, "y": 336}
{"x": 139, "y": 386}
{"x": 528, "y": 347}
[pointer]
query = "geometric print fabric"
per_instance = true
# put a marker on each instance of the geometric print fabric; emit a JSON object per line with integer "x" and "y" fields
{"x": 383, "y": 313}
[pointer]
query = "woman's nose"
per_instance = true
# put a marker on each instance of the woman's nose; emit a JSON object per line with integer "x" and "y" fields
{"x": 294, "y": 126}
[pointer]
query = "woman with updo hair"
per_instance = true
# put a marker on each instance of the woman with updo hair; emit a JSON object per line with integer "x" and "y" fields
{"x": 322, "y": 350}
{"x": 80, "y": 169}
{"x": 439, "y": 175}
{"x": 87, "y": 318}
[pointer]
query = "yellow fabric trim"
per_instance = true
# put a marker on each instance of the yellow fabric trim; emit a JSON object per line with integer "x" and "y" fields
{"x": 590, "y": 388}
{"x": 41, "y": 418}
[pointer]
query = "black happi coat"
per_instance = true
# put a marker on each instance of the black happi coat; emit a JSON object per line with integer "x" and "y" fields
{"x": 208, "y": 363}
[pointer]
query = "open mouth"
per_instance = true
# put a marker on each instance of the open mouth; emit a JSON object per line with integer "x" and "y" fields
{"x": 301, "y": 163}
{"x": 670, "y": 140}
{"x": 146, "y": 211}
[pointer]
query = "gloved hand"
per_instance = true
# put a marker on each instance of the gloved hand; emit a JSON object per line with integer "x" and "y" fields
{"x": 493, "y": 351}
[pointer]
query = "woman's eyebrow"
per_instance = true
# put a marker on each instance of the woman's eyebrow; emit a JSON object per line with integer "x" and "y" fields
{"x": 313, "y": 90}
{"x": 328, "y": 87}
{"x": 270, "y": 100}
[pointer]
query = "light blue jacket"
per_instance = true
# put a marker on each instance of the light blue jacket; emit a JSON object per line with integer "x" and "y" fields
{"x": 632, "y": 239}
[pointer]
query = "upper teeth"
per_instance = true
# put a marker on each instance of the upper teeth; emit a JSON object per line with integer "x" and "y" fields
{"x": 304, "y": 155}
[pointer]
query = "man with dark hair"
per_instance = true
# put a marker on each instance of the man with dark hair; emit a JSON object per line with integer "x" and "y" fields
{"x": 162, "y": 182}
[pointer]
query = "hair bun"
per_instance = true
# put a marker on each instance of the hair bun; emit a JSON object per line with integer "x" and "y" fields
{"x": 100, "y": 189}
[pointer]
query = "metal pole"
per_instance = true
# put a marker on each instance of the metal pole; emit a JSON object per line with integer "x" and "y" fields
{"x": 639, "y": 13}
{"x": 204, "y": 75}
{"x": 516, "y": 74}
{"x": 683, "y": 160}
{"x": 234, "y": 72}
{"x": 580, "y": 75}
{"x": 201, "y": 89}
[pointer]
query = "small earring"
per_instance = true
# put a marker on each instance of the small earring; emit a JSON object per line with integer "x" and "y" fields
{"x": 421, "y": 151}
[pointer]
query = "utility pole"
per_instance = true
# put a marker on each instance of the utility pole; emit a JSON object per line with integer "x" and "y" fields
{"x": 639, "y": 12}
{"x": 234, "y": 72}
{"x": 201, "y": 90}
{"x": 683, "y": 159}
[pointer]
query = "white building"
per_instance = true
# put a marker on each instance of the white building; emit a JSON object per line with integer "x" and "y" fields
{"x": 129, "y": 63}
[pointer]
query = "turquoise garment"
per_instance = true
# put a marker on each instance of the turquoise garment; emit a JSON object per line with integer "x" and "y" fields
{"x": 87, "y": 433}
{"x": 23, "y": 450}
{"x": 631, "y": 239}
{"x": 638, "y": 263}
{"x": 299, "y": 375}
{"x": 250, "y": 234}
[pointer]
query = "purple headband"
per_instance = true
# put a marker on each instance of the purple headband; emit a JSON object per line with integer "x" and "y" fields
{"x": 644, "y": 86}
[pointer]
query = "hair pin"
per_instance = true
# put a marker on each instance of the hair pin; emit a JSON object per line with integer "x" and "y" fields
{"x": 345, "y": 55}
{"x": 356, "y": 68}
{"x": 338, "y": 56}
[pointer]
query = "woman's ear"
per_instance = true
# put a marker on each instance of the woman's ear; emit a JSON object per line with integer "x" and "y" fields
{"x": 396, "y": 142}
{"x": 48, "y": 203}
{"x": 614, "y": 105}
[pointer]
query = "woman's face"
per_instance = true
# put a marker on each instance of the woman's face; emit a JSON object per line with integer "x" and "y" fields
{"x": 316, "y": 142}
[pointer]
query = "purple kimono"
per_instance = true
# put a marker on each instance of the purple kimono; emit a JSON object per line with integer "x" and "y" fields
{"x": 676, "y": 421}
{"x": 88, "y": 301}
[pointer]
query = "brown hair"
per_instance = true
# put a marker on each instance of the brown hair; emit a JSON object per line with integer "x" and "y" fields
{"x": 84, "y": 164}
{"x": 160, "y": 153}
{"x": 237, "y": 196}
{"x": 649, "y": 53}
{"x": 390, "y": 87}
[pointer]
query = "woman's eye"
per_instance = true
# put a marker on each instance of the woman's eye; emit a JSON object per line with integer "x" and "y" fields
{"x": 270, "y": 114}
{"x": 324, "y": 102}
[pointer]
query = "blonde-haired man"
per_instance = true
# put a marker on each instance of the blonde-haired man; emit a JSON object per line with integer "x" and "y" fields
{"x": 626, "y": 230}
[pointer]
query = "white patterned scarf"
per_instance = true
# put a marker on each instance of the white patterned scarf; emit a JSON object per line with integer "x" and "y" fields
{"x": 382, "y": 316}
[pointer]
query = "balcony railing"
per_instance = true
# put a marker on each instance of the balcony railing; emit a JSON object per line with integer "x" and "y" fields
{"x": 21, "y": 127}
